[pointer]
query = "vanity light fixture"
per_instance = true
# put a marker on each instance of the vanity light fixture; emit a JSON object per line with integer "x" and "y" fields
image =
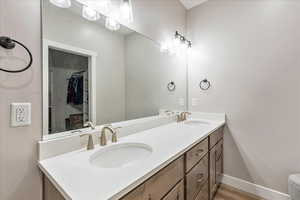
{"x": 89, "y": 13}
{"x": 126, "y": 11}
{"x": 179, "y": 45}
{"x": 112, "y": 24}
{"x": 61, "y": 3}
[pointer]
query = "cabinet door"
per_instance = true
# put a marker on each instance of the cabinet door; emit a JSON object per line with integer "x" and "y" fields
{"x": 219, "y": 162}
{"x": 177, "y": 193}
{"x": 203, "y": 194}
{"x": 136, "y": 194}
{"x": 196, "y": 178}
{"x": 161, "y": 183}
{"x": 212, "y": 171}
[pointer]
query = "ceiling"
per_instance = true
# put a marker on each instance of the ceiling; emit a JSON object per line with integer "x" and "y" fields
{"x": 192, "y": 3}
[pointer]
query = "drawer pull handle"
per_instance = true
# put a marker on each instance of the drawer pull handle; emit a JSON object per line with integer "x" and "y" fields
{"x": 201, "y": 176}
{"x": 149, "y": 197}
{"x": 199, "y": 152}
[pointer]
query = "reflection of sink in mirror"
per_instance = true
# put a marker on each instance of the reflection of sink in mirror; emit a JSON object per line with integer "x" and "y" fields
{"x": 197, "y": 122}
{"x": 120, "y": 155}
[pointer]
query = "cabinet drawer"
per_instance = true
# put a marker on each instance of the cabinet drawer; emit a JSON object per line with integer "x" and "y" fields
{"x": 136, "y": 194}
{"x": 203, "y": 194}
{"x": 195, "y": 154}
{"x": 197, "y": 178}
{"x": 161, "y": 183}
{"x": 216, "y": 136}
{"x": 177, "y": 193}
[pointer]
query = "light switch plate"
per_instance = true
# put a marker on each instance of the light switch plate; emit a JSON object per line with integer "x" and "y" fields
{"x": 195, "y": 101}
{"x": 181, "y": 101}
{"x": 20, "y": 114}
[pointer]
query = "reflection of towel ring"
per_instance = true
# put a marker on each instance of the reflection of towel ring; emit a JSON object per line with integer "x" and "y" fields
{"x": 8, "y": 43}
{"x": 171, "y": 86}
{"x": 204, "y": 84}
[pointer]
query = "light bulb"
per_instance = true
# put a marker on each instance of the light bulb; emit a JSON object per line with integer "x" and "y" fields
{"x": 89, "y": 13}
{"x": 176, "y": 42}
{"x": 164, "y": 47}
{"x": 112, "y": 24}
{"x": 126, "y": 11}
{"x": 61, "y": 3}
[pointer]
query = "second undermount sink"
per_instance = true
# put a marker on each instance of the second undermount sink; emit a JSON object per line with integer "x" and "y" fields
{"x": 120, "y": 155}
{"x": 193, "y": 122}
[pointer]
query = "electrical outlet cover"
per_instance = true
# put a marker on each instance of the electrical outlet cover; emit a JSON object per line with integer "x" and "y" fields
{"x": 20, "y": 114}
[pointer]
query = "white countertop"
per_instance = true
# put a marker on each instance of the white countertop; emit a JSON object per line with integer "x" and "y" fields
{"x": 77, "y": 179}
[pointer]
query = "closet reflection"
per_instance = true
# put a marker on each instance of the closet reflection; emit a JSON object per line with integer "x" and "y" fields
{"x": 68, "y": 91}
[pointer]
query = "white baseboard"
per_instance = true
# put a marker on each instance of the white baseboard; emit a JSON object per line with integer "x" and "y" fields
{"x": 252, "y": 188}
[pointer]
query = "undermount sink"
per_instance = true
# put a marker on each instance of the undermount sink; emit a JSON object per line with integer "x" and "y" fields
{"x": 120, "y": 155}
{"x": 196, "y": 122}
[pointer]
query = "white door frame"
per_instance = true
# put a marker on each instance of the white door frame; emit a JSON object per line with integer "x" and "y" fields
{"x": 47, "y": 44}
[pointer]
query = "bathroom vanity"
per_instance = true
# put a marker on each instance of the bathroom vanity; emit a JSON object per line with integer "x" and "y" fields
{"x": 190, "y": 177}
{"x": 193, "y": 173}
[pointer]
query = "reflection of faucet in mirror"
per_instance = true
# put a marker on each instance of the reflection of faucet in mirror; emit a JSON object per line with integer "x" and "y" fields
{"x": 89, "y": 124}
{"x": 113, "y": 131}
{"x": 182, "y": 116}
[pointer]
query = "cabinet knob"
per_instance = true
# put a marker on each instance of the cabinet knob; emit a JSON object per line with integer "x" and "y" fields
{"x": 201, "y": 176}
{"x": 199, "y": 151}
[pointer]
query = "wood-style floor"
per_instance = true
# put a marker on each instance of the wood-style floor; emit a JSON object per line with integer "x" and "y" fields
{"x": 229, "y": 193}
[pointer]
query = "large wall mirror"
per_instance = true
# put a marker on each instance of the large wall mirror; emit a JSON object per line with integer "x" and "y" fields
{"x": 102, "y": 71}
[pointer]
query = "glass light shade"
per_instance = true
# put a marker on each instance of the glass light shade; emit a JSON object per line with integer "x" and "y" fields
{"x": 164, "y": 47}
{"x": 61, "y": 3}
{"x": 89, "y": 13}
{"x": 126, "y": 11}
{"x": 112, "y": 24}
{"x": 176, "y": 42}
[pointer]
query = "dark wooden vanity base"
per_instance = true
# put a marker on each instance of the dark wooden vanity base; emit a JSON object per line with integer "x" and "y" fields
{"x": 195, "y": 175}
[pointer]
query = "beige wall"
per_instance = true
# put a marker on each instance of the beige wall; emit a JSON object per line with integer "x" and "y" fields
{"x": 250, "y": 52}
{"x": 19, "y": 176}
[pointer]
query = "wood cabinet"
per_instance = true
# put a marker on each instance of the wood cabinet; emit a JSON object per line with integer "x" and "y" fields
{"x": 194, "y": 155}
{"x": 195, "y": 175}
{"x": 216, "y": 166}
{"x": 160, "y": 184}
{"x": 177, "y": 193}
{"x": 196, "y": 178}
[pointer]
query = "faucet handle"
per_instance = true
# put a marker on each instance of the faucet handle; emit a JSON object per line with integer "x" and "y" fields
{"x": 90, "y": 144}
{"x": 89, "y": 124}
{"x": 114, "y": 137}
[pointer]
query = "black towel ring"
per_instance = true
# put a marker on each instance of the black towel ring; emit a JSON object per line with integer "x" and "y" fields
{"x": 8, "y": 43}
{"x": 171, "y": 86}
{"x": 204, "y": 84}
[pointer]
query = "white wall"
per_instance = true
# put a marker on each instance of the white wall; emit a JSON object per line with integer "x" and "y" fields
{"x": 158, "y": 19}
{"x": 63, "y": 26}
{"x": 250, "y": 52}
{"x": 19, "y": 174}
{"x": 148, "y": 71}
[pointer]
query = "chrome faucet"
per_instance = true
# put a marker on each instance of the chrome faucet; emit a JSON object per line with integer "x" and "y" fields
{"x": 113, "y": 131}
{"x": 89, "y": 124}
{"x": 182, "y": 116}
